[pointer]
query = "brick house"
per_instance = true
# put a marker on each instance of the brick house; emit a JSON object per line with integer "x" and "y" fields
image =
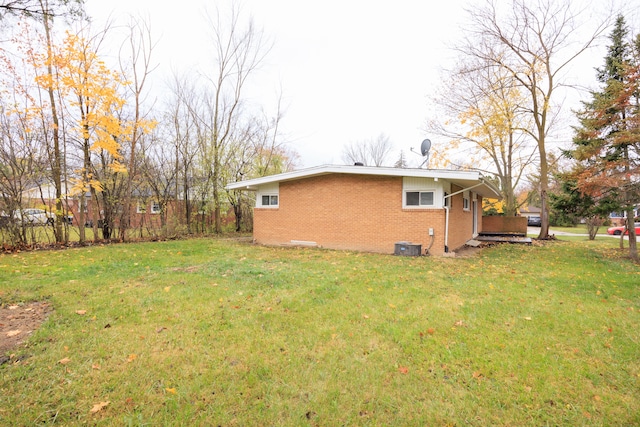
{"x": 369, "y": 208}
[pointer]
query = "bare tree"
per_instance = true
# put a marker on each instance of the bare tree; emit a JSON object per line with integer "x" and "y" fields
{"x": 370, "y": 152}
{"x": 180, "y": 127}
{"x": 22, "y": 166}
{"x": 34, "y": 8}
{"x": 535, "y": 42}
{"x": 238, "y": 52}
{"x": 259, "y": 152}
{"x": 140, "y": 47}
{"x": 483, "y": 118}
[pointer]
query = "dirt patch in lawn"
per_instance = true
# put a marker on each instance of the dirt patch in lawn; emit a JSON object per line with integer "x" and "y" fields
{"x": 17, "y": 323}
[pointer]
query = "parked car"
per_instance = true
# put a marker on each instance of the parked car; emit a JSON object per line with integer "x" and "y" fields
{"x": 34, "y": 216}
{"x": 534, "y": 221}
{"x": 4, "y": 219}
{"x": 616, "y": 231}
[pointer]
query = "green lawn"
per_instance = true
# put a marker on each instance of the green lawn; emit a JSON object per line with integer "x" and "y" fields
{"x": 217, "y": 332}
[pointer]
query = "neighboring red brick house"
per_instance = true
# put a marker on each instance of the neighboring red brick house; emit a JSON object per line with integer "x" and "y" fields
{"x": 368, "y": 208}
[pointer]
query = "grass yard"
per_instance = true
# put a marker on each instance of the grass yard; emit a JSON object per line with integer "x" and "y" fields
{"x": 217, "y": 332}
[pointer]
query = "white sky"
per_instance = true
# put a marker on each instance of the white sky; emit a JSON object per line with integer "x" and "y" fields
{"x": 349, "y": 70}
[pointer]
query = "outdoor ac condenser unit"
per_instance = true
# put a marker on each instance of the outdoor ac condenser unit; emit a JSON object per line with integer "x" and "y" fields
{"x": 407, "y": 249}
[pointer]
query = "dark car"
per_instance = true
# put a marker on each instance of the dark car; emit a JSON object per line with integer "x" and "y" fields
{"x": 534, "y": 221}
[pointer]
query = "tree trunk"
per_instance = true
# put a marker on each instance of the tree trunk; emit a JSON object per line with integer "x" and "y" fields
{"x": 544, "y": 184}
{"x": 633, "y": 249}
{"x": 56, "y": 169}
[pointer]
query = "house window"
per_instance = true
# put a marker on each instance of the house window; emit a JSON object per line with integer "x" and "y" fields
{"x": 270, "y": 200}
{"x": 419, "y": 198}
{"x": 465, "y": 201}
{"x": 140, "y": 208}
{"x": 447, "y": 200}
{"x": 155, "y": 207}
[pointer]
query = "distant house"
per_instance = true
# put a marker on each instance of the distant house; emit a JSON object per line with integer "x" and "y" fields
{"x": 369, "y": 208}
{"x": 618, "y": 219}
{"x": 144, "y": 210}
{"x": 531, "y": 211}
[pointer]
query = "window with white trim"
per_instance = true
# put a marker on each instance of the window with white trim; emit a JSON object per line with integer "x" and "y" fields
{"x": 465, "y": 201}
{"x": 141, "y": 208}
{"x": 270, "y": 200}
{"x": 155, "y": 207}
{"x": 419, "y": 198}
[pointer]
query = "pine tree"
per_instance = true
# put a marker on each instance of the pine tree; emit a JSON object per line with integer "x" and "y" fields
{"x": 607, "y": 141}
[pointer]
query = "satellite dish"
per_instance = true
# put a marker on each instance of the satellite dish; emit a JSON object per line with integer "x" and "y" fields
{"x": 425, "y": 147}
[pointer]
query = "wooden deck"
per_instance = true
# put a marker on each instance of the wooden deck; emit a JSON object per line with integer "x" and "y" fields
{"x": 504, "y": 238}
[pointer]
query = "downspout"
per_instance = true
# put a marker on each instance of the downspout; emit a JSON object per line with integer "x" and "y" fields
{"x": 446, "y": 227}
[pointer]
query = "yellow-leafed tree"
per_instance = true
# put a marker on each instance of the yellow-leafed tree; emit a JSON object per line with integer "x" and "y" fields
{"x": 91, "y": 91}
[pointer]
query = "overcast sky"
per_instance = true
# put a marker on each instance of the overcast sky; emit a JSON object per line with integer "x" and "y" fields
{"x": 349, "y": 70}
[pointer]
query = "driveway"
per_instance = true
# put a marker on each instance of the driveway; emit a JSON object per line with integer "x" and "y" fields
{"x": 536, "y": 231}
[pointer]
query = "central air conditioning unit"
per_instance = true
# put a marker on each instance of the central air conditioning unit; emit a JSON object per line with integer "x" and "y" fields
{"x": 407, "y": 249}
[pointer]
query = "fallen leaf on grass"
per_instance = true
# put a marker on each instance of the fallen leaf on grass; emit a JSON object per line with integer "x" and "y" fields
{"x": 171, "y": 390}
{"x": 99, "y": 407}
{"x": 64, "y": 361}
{"x": 95, "y": 366}
{"x": 527, "y": 318}
{"x": 13, "y": 333}
{"x": 403, "y": 370}
{"x": 81, "y": 312}
{"x": 167, "y": 288}
{"x": 131, "y": 358}
{"x": 160, "y": 329}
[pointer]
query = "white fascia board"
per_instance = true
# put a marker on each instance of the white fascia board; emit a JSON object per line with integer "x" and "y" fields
{"x": 464, "y": 178}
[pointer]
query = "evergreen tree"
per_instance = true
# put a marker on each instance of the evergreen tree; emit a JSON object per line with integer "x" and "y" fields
{"x": 401, "y": 162}
{"x": 607, "y": 140}
{"x": 570, "y": 206}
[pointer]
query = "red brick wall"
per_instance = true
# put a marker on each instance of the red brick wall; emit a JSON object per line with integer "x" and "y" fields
{"x": 458, "y": 226}
{"x": 351, "y": 212}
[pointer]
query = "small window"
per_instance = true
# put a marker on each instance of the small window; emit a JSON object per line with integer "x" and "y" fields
{"x": 465, "y": 203}
{"x": 140, "y": 208}
{"x": 155, "y": 207}
{"x": 419, "y": 198}
{"x": 447, "y": 200}
{"x": 269, "y": 200}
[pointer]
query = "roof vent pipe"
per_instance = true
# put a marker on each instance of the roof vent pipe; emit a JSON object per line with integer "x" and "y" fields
{"x": 358, "y": 164}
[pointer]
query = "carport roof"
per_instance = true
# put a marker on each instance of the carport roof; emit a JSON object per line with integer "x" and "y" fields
{"x": 464, "y": 179}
